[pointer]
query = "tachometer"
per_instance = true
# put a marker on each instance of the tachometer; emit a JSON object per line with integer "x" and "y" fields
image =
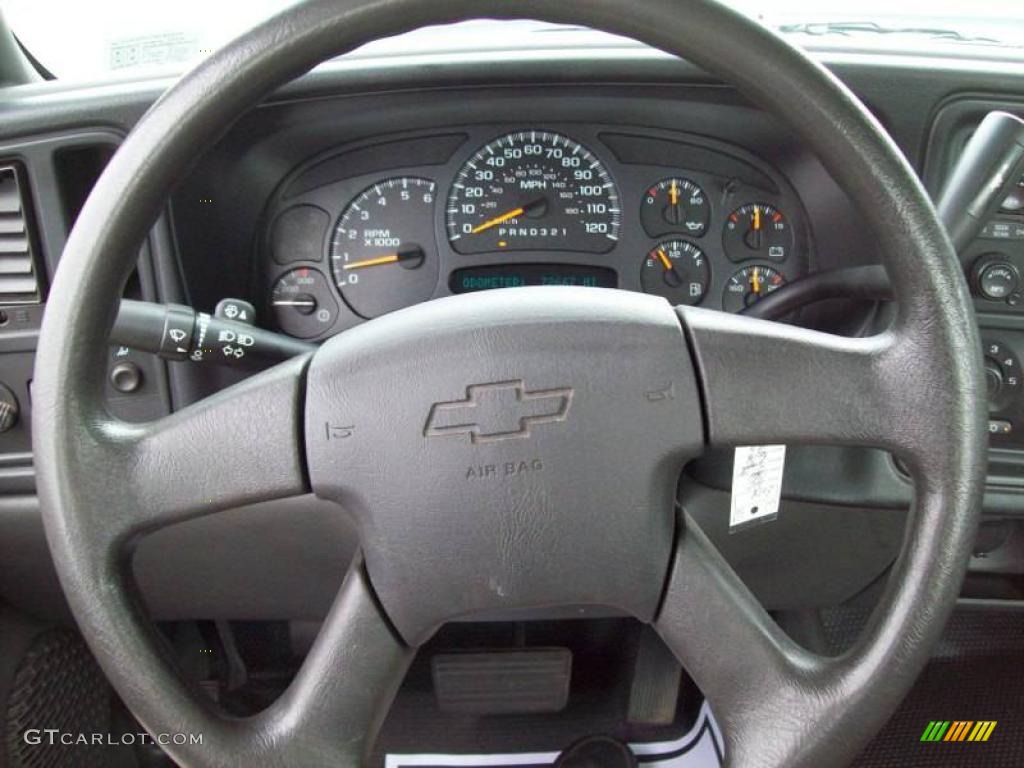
{"x": 533, "y": 191}
{"x": 383, "y": 252}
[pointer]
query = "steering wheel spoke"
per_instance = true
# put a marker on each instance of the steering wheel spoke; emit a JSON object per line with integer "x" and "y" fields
{"x": 329, "y": 714}
{"x": 767, "y": 382}
{"x": 241, "y": 445}
{"x": 346, "y": 681}
{"x": 745, "y": 666}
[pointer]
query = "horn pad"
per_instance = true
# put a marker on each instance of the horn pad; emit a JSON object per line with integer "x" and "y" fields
{"x": 508, "y": 450}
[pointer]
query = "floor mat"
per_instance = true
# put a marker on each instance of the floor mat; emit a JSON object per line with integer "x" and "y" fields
{"x": 975, "y": 675}
{"x": 700, "y": 747}
{"x": 989, "y": 688}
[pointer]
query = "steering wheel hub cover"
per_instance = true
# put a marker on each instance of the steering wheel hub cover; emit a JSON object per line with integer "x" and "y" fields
{"x": 508, "y": 450}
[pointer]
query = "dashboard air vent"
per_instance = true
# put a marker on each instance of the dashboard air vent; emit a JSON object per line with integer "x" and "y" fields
{"x": 19, "y": 283}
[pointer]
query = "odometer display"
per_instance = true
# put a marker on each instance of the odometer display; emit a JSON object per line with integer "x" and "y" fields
{"x": 520, "y": 275}
{"x": 533, "y": 191}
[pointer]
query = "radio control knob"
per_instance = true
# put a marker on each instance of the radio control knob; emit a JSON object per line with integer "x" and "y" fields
{"x": 993, "y": 379}
{"x": 997, "y": 280}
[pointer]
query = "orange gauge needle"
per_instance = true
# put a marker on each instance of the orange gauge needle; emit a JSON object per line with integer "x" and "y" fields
{"x": 391, "y": 258}
{"x": 411, "y": 255}
{"x": 665, "y": 260}
{"x": 498, "y": 220}
{"x": 532, "y": 208}
{"x": 757, "y": 218}
{"x": 673, "y": 193}
{"x": 755, "y": 282}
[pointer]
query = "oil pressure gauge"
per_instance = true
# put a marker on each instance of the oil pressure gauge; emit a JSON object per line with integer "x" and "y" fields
{"x": 675, "y": 205}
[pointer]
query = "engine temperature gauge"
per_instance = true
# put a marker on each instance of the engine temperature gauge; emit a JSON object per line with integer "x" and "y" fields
{"x": 676, "y": 270}
{"x": 675, "y": 205}
{"x": 750, "y": 285}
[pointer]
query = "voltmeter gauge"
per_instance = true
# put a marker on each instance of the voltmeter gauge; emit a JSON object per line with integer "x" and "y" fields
{"x": 750, "y": 285}
{"x": 757, "y": 231}
{"x": 675, "y": 205}
{"x": 676, "y": 270}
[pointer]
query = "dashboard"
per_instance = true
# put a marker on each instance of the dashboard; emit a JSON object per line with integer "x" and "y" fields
{"x": 694, "y": 220}
{"x": 356, "y": 192}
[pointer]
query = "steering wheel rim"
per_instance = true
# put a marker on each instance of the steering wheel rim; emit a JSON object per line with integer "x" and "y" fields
{"x": 913, "y": 390}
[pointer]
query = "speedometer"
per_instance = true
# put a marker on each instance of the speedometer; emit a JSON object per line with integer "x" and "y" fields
{"x": 533, "y": 191}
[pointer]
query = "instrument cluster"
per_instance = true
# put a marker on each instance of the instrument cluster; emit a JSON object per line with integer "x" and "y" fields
{"x": 687, "y": 218}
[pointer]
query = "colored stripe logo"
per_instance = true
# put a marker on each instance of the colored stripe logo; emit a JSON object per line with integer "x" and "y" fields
{"x": 958, "y": 730}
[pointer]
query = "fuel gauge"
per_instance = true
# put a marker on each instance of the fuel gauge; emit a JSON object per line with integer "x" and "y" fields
{"x": 676, "y": 270}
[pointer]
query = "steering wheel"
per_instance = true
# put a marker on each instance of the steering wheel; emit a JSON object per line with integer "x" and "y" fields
{"x": 604, "y": 396}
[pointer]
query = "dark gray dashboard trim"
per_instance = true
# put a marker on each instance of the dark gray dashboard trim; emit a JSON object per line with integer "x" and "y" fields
{"x": 39, "y": 155}
{"x": 59, "y": 104}
{"x": 919, "y": 85}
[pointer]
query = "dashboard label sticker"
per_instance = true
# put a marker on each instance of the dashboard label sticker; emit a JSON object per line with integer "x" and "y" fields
{"x": 756, "y": 484}
{"x": 152, "y": 50}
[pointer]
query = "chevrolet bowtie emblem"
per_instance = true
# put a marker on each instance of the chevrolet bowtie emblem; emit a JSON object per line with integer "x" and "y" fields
{"x": 501, "y": 410}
